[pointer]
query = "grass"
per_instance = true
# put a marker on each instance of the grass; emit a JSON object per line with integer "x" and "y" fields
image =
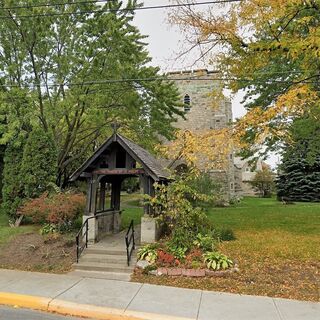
{"x": 257, "y": 214}
{"x": 129, "y": 214}
{"x": 7, "y": 233}
{"x": 132, "y": 210}
{"x": 276, "y": 246}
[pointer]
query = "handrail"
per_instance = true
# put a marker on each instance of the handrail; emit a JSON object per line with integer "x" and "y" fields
{"x": 84, "y": 234}
{"x": 130, "y": 241}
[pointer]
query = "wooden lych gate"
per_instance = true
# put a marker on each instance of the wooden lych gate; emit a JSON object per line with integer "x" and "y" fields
{"x": 117, "y": 159}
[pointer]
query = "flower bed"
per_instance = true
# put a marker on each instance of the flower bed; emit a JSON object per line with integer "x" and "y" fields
{"x": 161, "y": 260}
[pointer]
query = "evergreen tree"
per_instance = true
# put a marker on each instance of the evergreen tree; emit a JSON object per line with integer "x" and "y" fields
{"x": 299, "y": 181}
{"x": 12, "y": 190}
{"x": 299, "y": 177}
{"x": 39, "y": 163}
{"x": 2, "y": 151}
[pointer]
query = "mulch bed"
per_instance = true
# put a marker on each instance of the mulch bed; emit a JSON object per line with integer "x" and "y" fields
{"x": 289, "y": 279}
{"x": 34, "y": 252}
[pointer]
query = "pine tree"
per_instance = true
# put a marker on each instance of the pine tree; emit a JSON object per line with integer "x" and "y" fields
{"x": 299, "y": 178}
{"x": 299, "y": 181}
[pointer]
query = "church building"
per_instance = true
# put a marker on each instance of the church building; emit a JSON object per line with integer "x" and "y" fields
{"x": 196, "y": 90}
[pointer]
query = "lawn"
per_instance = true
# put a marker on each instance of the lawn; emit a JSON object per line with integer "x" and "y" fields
{"x": 268, "y": 214}
{"x": 129, "y": 214}
{"x": 132, "y": 210}
{"x": 7, "y": 233}
{"x": 276, "y": 246}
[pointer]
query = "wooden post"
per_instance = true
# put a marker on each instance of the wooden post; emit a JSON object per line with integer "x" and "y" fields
{"x": 115, "y": 194}
{"x": 148, "y": 189}
{"x": 94, "y": 188}
{"x": 102, "y": 197}
{"x": 115, "y": 203}
{"x": 89, "y": 190}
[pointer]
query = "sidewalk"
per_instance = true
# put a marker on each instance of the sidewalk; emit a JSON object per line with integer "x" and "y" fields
{"x": 110, "y": 299}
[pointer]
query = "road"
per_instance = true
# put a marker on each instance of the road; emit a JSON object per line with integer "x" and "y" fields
{"x": 7, "y": 313}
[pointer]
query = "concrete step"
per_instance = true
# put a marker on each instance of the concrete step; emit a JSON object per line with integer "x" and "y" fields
{"x": 101, "y": 275}
{"x": 104, "y": 258}
{"x": 106, "y": 251}
{"x": 103, "y": 267}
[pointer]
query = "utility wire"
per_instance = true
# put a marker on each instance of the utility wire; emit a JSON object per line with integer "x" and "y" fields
{"x": 112, "y": 81}
{"x": 29, "y": 6}
{"x": 112, "y": 10}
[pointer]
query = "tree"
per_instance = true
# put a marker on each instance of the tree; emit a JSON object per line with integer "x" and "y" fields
{"x": 299, "y": 172}
{"x": 64, "y": 69}
{"x": 39, "y": 163}
{"x": 263, "y": 182}
{"x": 181, "y": 204}
{"x": 270, "y": 49}
{"x": 12, "y": 190}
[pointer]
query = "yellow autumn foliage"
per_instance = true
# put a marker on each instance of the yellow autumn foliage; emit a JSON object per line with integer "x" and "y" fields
{"x": 270, "y": 49}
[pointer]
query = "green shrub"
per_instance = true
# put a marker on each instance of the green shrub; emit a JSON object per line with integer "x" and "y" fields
{"x": 217, "y": 261}
{"x": 209, "y": 189}
{"x": 205, "y": 242}
{"x": 178, "y": 252}
{"x": 48, "y": 228}
{"x": 196, "y": 265}
{"x": 226, "y": 235}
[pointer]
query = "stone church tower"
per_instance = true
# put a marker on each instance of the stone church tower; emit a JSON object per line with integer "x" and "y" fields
{"x": 196, "y": 88}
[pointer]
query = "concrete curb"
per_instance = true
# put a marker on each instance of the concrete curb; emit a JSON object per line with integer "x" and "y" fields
{"x": 24, "y": 301}
{"x": 77, "y": 310}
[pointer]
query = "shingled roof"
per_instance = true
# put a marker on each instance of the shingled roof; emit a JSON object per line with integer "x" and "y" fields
{"x": 152, "y": 165}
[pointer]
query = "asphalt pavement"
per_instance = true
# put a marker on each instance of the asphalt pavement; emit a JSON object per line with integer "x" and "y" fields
{"x": 7, "y": 313}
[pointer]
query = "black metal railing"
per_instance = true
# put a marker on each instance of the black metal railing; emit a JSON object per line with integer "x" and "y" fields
{"x": 82, "y": 235}
{"x": 130, "y": 242}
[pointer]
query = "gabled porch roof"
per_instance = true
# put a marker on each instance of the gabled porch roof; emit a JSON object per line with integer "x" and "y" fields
{"x": 150, "y": 164}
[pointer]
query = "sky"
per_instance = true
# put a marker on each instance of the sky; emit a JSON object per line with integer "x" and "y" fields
{"x": 165, "y": 44}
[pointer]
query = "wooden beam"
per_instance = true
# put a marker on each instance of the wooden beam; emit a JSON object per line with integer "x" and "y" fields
{"x": 119, "y": 171}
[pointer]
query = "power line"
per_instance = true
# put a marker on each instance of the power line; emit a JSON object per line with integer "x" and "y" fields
{"x": 113, "y": 10}
{"x": 113, "y": 81}
{"x": 29, "y": 6}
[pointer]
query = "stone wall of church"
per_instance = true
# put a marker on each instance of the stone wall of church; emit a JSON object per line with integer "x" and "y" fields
{"x": 205, "y": 113}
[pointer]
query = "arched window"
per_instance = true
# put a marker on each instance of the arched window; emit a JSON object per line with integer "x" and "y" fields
{"x": 187, "y": 103}
{"x": 182, "y": 168}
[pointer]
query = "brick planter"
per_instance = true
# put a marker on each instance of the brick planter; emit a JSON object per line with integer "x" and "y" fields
{"x": 193, "y": 273}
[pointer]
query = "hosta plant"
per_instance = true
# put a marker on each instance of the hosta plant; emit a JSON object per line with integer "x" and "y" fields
{"x": 217, "y": 261}
{"x": 149, "y": 253}
{"x": 204, "y": 242}
{"x": 178, "y": 252}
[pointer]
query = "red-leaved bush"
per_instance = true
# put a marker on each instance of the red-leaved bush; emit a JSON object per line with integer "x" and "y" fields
{"x": 165, "y": 258}
{"x": 56, "y": 209}
{"x": 194, "y": 255}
